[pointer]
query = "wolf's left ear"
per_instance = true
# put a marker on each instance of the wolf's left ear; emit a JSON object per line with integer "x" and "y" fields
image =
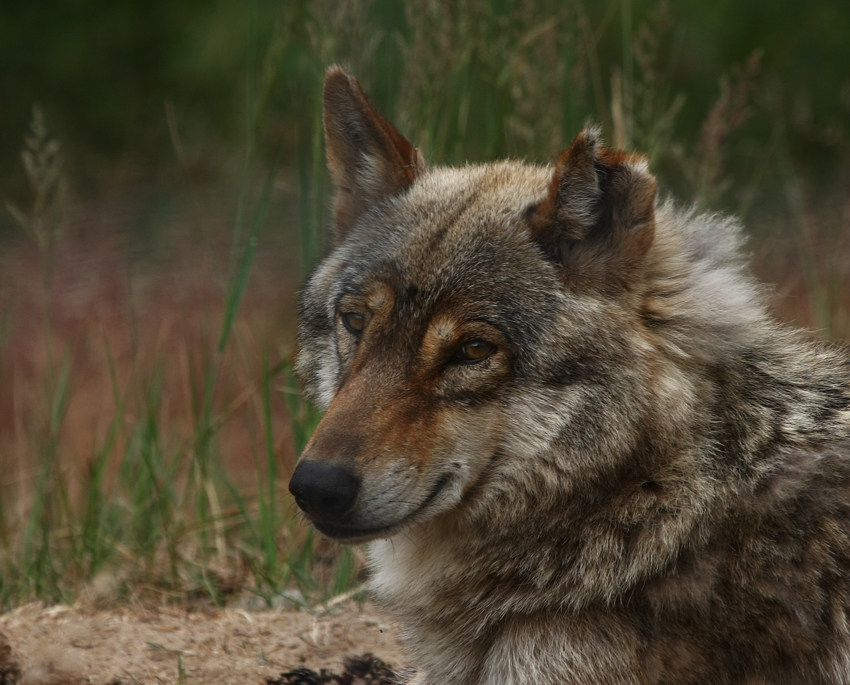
{"x": 368, "y": 158}
{"x": 598, "y": 221}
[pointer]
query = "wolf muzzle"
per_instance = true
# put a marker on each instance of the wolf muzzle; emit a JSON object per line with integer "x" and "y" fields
{"x": 324, "y": 491}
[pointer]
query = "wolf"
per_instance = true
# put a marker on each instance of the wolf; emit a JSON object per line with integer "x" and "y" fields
{"x": 581, "y": 448}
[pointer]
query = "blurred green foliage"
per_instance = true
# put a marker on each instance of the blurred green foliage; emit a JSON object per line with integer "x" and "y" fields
{"x": 457, "y": 74}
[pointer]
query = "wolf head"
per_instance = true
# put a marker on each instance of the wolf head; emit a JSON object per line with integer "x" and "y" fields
{"x": 472, "y": 323}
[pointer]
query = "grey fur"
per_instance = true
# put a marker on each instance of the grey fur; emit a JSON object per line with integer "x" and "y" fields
{"x": 648, "y": 481}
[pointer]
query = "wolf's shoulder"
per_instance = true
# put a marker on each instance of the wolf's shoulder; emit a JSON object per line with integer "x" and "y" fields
{"x": 787, "y": 531}
{"x": 800, "y": 487}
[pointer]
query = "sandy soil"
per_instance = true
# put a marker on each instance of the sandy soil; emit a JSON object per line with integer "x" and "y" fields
{"x": 69, "y": 645}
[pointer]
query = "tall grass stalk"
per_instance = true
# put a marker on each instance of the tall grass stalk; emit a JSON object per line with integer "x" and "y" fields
{"x": 95, "y": 548}
{"x": 818, "y": 288}
{"x": 45, "y": 513}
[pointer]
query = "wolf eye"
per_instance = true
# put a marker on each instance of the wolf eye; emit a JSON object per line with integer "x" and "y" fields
{"x": 354, "y": 322}
{"x": 475, "y": 351}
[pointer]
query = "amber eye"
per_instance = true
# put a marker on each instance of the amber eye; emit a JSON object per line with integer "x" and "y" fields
{"x": 354, "y": 322}
{"x": 475, "y": 351}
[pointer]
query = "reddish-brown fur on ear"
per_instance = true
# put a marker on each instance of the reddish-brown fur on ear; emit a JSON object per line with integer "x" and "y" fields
{"x": 598, "y": 220}
{"x": 368, "y": 158}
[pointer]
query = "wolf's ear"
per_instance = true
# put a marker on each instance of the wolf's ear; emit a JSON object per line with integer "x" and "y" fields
{"x": 598, "y": 220}
{"x": 368, "y": 158}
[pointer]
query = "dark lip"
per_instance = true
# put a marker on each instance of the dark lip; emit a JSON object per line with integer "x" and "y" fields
{"x": 350, "y": 535}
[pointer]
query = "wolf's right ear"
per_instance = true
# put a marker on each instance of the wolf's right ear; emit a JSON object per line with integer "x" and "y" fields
{"x": 368, "y": 158}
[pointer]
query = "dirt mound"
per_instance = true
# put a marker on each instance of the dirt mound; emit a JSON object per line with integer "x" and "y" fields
{"x": 128, "y": 646}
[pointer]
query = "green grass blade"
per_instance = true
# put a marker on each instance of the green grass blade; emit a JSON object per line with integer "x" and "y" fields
{"x": 243, "y": 269}
{"x": 345, "y": 572}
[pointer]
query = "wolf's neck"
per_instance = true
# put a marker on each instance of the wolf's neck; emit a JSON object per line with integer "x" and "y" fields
{"x": 787, "y": 393}
{"x": 764, "y": 384}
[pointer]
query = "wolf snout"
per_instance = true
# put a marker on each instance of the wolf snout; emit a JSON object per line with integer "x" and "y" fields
{"x": 324, "y": 491}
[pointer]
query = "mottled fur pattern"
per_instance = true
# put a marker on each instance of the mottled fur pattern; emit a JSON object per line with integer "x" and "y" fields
{"x": 582, "y": 449}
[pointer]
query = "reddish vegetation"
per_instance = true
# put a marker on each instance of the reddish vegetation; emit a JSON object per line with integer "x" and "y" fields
{"x": 805, "y": 260}
{"x": 156, "y": 309}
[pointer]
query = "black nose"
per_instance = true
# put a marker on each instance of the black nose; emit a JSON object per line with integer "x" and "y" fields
{"x": 324, "y": 490}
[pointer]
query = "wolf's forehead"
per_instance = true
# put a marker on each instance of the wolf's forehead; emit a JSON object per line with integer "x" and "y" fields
{"x": 447, "y": 198}
{"x": 456, "y": 233}
{"x": 463, "y": 221}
